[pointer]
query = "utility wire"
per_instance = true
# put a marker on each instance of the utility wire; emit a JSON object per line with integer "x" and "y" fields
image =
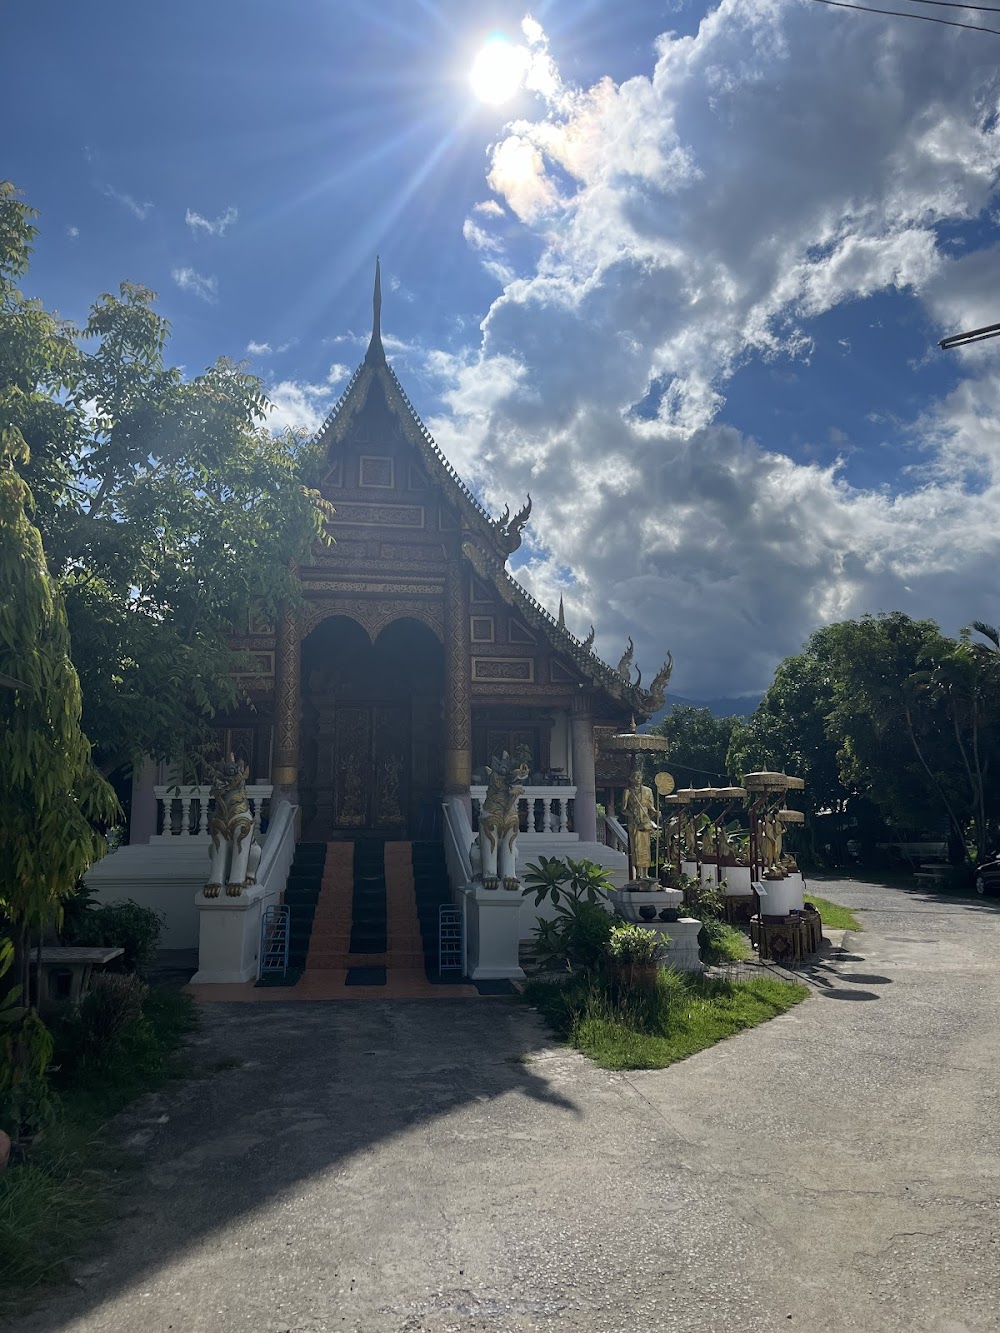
{"x": 903, "y": 14}
{"x": 953, "y": 4}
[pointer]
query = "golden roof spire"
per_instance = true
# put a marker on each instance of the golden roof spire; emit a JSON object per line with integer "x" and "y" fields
{"x": 376, "y": 352}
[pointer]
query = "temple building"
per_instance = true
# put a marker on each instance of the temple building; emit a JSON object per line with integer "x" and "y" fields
{"x": 378, "y": 702}
{"x": 416, "y": 655}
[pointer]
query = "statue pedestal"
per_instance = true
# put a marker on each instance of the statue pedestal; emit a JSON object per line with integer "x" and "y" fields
{"x": 681, "y": 952}
{"x": 229, "y": 934}
{"x": 493, "y": 933}
{"x": 629, "y": 901}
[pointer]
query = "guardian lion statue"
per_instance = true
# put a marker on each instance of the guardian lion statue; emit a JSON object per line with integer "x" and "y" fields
{"x": 234, "y": 853}
{"x": 499, "y": 824}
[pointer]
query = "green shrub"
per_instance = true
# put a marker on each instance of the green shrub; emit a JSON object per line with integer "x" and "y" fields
{"x": 124, "y": 925}
{"x": 705, "y": 901}
{"x": 26, "y": 1104}
{"x": 90, "y": 1038}
{"x": 630, "y": 943}
{"x": 575, "y": 939}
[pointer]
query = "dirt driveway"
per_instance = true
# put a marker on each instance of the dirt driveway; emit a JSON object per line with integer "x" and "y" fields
{"x": 431, "y": 1166}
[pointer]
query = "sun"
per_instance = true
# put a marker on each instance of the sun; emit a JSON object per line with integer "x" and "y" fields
{"x": 498, "y": 71}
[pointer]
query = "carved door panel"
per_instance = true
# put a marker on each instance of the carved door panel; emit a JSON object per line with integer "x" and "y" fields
{"x": 391, "y": 765}
{"x": 371, "y": 766}
{"x": 352, "y": 767}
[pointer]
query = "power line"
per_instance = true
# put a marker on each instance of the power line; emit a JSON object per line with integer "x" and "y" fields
{"x": 953, "y": 4}
{"x": 903, "y": 14}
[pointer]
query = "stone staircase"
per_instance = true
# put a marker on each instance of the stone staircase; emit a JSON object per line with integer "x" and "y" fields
{"x": 364, "y": 920}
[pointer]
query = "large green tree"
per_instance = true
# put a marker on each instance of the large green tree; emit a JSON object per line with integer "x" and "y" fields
{"x": 52, "y": 800}
{"x": 698, "y": 744}
{"x": 169, "y": 512}
{"x": 889, "y": 710}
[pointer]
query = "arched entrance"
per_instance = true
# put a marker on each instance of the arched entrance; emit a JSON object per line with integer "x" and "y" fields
{"x": 371, "y": 729}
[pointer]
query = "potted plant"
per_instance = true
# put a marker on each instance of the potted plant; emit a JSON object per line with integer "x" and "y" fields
{"x": 633, "y": 953}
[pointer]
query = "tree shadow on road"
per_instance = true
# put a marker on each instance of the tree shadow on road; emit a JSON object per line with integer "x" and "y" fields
{"x": 317, "y": 1086}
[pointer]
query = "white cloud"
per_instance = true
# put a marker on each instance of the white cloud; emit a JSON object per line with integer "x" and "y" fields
{"x": 138, "y": 209}
{"x": 299, "y": 405}
{"x": 72, "y": 232}
{"x": 190, "y": 280}
{"x": 778, "y": 163}
{"x": 216, "y": 227}
{"x": 489, "y": 208}
{"x": 259, "y": 349}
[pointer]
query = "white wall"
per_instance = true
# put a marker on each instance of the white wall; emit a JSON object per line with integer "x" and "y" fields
{"x": 165, "y": 880}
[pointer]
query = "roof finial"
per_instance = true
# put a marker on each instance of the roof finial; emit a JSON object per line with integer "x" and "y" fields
{"x": 562, "y": 613}
{"x": 376, "y": 352}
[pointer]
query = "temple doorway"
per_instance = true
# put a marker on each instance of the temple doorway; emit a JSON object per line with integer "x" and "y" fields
{"x": 371, "y": 729}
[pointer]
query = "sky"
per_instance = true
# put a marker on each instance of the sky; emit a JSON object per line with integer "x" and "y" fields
{"x": 679, "y": 272}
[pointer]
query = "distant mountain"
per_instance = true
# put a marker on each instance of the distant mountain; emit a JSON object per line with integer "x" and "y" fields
{"x": 740, "y": 705}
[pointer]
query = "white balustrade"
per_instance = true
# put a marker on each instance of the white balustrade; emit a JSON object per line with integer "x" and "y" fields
{"x": 612, "y": 833}
{"x": 544, "y": 812}
{"x": 183, "y": 811}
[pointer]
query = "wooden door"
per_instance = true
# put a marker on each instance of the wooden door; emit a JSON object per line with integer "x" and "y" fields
{"x": 371, "y": 763}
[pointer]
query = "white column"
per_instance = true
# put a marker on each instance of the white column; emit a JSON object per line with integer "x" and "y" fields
{"x": 584, "y": 776}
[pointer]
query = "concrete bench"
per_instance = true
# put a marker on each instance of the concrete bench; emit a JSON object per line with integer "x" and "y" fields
{"x": 78, "y": 962}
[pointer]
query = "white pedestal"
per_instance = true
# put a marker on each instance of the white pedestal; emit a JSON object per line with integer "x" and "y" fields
{"x": 781, "y": 896}
{"x": 738, "y": 881}
{"x": 627, "y": 903}
{"x": 229, "y": 934}
{"x": 682, "y": 951}
{"x": 493, "y": 918}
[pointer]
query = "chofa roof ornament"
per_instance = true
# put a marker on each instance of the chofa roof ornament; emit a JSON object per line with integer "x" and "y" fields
{"x": 509, "y": 529}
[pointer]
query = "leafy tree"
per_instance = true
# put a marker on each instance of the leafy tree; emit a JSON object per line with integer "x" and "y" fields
{"x": 788, "y": 731}
{"x": 699, "y": 742}
{"x": 50, "y": 794}
{"x": 886, "y": 709}
{"x": 170, "y": 513}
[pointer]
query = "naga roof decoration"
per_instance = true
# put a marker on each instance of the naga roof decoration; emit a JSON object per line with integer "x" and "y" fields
{"x": 642, "y": 702}
{"x": 502, "y": 535}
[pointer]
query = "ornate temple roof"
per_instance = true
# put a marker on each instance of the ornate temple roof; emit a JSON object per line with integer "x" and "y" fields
{"x": 488, "y": 541}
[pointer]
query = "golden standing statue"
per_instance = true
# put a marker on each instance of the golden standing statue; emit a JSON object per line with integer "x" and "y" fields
{"x": 639, "y": 809}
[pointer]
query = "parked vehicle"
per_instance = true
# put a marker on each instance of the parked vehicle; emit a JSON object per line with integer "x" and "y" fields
{"x": 988, "y": 879}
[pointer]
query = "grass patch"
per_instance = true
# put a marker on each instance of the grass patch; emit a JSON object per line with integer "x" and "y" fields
{"x": 834, "y": 916}
{"x": 635, "y": 1030}
{"x": 54, "y": 1197}
{"x": 722, "y": 943}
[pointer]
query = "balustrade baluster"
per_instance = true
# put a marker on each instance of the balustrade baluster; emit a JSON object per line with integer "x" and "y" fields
{"x": 185, "y": 828}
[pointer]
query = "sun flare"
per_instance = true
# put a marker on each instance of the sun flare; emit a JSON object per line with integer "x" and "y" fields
{"x": 498, "y": 71}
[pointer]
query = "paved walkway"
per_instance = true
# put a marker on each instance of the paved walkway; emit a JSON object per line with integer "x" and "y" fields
{"x": 415, "y": 1168}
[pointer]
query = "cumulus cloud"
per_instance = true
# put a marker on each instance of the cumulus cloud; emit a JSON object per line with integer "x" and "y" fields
{"x": 211, "y": 227}
{"x": 259, "y": 349}
{"x": 72, "y": 232}
{"x": 138, "y": 209}
{"x": 201, "y": 285}
{"x": 303, "y": 406}
{"x": 778, "y": 163}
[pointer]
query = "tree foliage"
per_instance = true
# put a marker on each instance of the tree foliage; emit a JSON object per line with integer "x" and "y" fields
{"x": 699, "y": 742}
{"x": 51, "y": 797}
{"x": 170, "y": 514}
{"x": 889, "y": 709}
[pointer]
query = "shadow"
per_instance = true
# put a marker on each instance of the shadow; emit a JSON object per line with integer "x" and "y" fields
{"x": 282, "y": 1094}
{"x": 966, "y": 897}
{"x": 865, "y": 979}
{"x": 834, "y": 994}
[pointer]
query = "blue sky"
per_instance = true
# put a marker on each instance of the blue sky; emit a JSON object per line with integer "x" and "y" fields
{"x": 685, "y": 285}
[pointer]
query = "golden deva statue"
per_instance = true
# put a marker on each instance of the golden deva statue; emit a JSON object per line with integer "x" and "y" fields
{"x": 639, "y": 809}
